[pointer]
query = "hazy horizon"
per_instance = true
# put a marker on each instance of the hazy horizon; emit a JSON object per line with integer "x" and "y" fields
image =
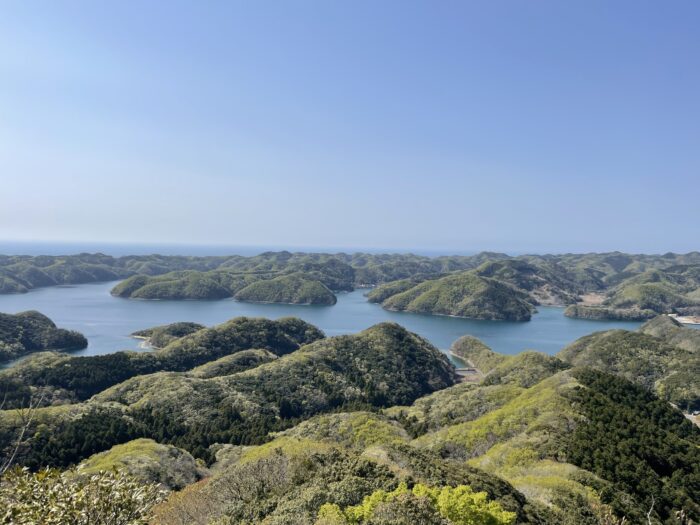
{"x": 519, "y": 127}
{"x": 118, "y": 249}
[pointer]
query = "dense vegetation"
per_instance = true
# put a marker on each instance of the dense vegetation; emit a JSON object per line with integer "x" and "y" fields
{"x": 66, "y": 378}
{"x": 662, "y": 356}
{"x": 474, "y": 352}
{"x": 21, "y": 273}
{"x": 520, "y": 433}
{"x": 160, "y": 336}
{"x": 546, "y": 282}
{"x": 32, "y": 331}
{"x": 601, "y": 313}
{"x": 73, "y": 498}
{"x": 300, "y": 481}
{"x": 640, "y": 444}
{"x": 294, "y": 288}
{"x": 428, "y": 505}
{"x": 148, "y": 462}
{"x": 382, "y": 366}
{"x": 675, "y": 289}
{"x": 372, "y": 428}
{"x": 462, "y": 295}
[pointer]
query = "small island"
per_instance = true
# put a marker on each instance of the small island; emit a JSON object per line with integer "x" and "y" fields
{"x": 460, "y": 295}
{"x": 31, "y": 331}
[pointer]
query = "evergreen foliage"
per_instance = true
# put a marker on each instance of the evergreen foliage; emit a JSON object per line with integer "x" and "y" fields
{"x": 32, "y": 331}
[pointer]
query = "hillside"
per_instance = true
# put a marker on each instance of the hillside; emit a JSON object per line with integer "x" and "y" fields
{"x": 545, "y": 282}
{"x": 372, "y": 428}
{"x": 474, "y": 352}
{"x": 673, "y": 332}
{"x": 68, "y": 379}
{"x": 148, "y": 462}
{"x": 189, "y": 284}
{"x": 295, "y": 288}
{"x": 662, "y": 356}
{"x": 461, "y": 295}
{"x": 315, "y": 473}
{"x": 675, "y": 289}
{"x": 591, "y": 272}
{"x": 509, "y": 441}
{"x": 381, "y": 366}
{"x": 160, "y": 336}
{"x": 28, "y": 332}
{"x": 543, "y": 439}
{"x": 21, "y": 273}
{"x": 300, "y": 287}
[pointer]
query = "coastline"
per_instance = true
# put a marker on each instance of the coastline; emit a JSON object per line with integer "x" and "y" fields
{"x": 396, "y": 310}
{"x": 468, "y": 373}
{"x": 686, "y": 319}
{"x": 145, "y": 342}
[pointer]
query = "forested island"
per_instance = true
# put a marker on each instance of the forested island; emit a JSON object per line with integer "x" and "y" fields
{"x": 374, "y": 427}
{"x": 28, "y": 332}
{"x": 487, "y": 285}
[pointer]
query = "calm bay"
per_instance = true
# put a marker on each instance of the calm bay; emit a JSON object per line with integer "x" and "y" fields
{"x": 107, "y": 321}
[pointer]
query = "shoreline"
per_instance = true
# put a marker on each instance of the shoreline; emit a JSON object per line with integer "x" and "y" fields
{"x": 145, "y": 342}
{"x": 468, "y": 373}
{"x": 686, "y": 319}
{"x": 455, "y": 316}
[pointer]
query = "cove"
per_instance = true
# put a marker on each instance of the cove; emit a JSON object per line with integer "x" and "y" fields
{"x": 107, "y": 321}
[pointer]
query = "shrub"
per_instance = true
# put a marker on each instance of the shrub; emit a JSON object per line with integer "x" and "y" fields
{"x": 51, "y": 497}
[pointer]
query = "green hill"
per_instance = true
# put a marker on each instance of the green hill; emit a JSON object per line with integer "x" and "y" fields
{"x": 473, "y": 351}
{"x": 289, "y": 289}
{"x": 160, "y": 336}
{"x": 662, "y": 356}
{"x": 233, "y": 363}
{"x": 78, "y": 378}
{"x": 296, "y": 477}
{"x": 190, "y": 284}
{"x": 673, "y": 332}
{"x": 675, "y": 289}
{"x": 31, "y": 331}
{"x": 382, "y": 366}
{"x": 462, "y": 295}
{"x": 545, "y": 282}
{"x": 530, "y": 449}
{"x": 602, "y": 313}
{"x": 149, "y": 462}
{"x": 372, "y": 428}
{"x": 570, "y": 433}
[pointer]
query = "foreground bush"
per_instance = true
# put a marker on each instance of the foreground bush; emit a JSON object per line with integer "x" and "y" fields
{"x": 51, "y": 497}
{"x": 423, "y": 504}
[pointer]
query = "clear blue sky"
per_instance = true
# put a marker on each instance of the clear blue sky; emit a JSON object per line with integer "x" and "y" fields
{"x": 509, "y": 125}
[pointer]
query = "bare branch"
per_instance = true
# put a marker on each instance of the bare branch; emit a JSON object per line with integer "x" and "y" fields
{"x": 26, "y": 416}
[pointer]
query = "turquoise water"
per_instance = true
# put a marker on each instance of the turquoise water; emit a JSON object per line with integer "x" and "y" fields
{"x": 107, "y": 321}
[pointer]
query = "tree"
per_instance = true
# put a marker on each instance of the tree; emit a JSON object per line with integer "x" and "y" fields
{"x": 436, "y": 505}
{"x": 72, "y": 498}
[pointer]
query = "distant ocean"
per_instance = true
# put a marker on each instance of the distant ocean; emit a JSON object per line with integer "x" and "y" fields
{"x": 120, "y": 249}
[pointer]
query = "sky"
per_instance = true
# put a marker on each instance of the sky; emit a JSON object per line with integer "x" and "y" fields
{"x": 519, "y": 126}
